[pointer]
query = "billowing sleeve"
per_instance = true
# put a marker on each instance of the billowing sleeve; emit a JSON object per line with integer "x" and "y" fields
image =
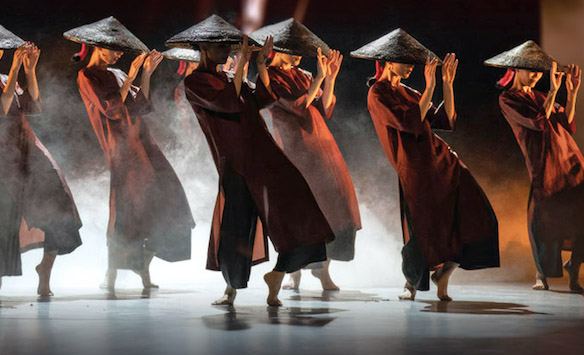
{"x": 559, "y": 116}
{"x": 102, "y": 95}
{"x": 393, "y": 113}
{"x": 137, "y": 103}
{"x": 28, "y": 106}
{"x": 293, "y": 103}
{"x": 521, "y": 114}
{"x": 212, "y": 93}
{"x": 263, "y": 97}
{"x": 439, "y": 119}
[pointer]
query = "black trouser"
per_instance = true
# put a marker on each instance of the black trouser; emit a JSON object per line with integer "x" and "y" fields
{"x": 238, "y": 229}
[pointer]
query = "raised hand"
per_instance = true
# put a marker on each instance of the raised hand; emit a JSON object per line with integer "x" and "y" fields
{"x": 573, "y": 79}
{"x": 430, "y": 72}
{"x": 265, "y": 51}
{"x": 135, "y": 66}
{"x": 31, "y": 57}
{"x": 151, "y": 62}
{"x": 555, "y": 77}
{"x": 19, "y": 55}
{"x": 449, "y": 67}
{"x": 245, "y": 52}
{"x": 335, "y": 58}
{"x": 321, "y": 64}
{"x": 230, "y": 64}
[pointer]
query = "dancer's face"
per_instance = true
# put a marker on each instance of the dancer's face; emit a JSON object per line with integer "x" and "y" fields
{"x": 216, "y": 52}
{"x": 108, "y": 56}
{"x": 290, "y": 59}
{"x": 528, "y": 77}
{"x": 402, "y": 70}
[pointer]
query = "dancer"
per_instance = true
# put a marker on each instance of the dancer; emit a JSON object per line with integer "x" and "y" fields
{"x": 36, "y": 206}
{"x": 302, "y": 133}
{"x": 447, "y": 220}
{"x": 261, "y": 193}
{"x": 149, "y": 212}
{"x": 543, "y": 131}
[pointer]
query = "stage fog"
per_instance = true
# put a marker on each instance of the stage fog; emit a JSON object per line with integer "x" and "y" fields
{"x": 482, "y": 139}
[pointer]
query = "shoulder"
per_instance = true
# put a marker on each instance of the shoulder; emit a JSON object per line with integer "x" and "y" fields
{"x": 411, "y": 90}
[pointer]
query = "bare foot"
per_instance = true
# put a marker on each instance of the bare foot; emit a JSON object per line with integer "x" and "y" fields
{"x": 293, "y": 282}
{"x": 409, "y": 293}
{"x": 274, "y": 281}
{"x": 227, "y": 299}
{"x": 573, "y": 270}
{"x": 325, "y": 277}
{"x": 440, "y": 278}
{"x": 109, "y": 282}
{"x": 540, "y": 283}
{"x": 44, "y": 288}
{"x": 145, "y": 276}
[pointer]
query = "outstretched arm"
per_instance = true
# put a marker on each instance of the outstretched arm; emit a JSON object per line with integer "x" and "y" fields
{"x": 335, "y": 58}
{"x": 448, "y": 73}
{"x": 555, "y": 82}
{"x": 132, "y": 74}
{"x": 150, "y": 64}
{"x": 261, "y": 63}
{"x": 30, "y": 60}
{"x": 322, "y": 68}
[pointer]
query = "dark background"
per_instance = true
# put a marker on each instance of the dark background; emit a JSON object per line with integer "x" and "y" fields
{"x": 474, "y": 30}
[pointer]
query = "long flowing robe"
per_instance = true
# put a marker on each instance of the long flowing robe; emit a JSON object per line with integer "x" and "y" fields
{"x": 303, "y": 135}
{"x": 148, "y": 206}
{"x": 250, "y": 163}
{"x": 445, "y": 214}
{"x": 36, "y": 206}
{"x": 556, "y": 170}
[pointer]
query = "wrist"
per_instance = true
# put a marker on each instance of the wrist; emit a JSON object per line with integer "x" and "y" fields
{"x": 552, "y": 92}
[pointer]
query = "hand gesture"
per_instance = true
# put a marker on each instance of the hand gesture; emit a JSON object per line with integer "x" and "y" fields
{"x": 573, "y": 79}
{"x": 430, "y": 72}
{"x": 265, "y": 51}
{"x": 230, "y": 64}
{"x": 19, "y": 54}
{"x": 31, "y": 57}
{"x": 321, "y": 64}
{"x": 136, "y": 65}
{"x": 449, "y": 68}
{"x": 151, "y": 62}
{"x": 555, "y": 77}
{"x": 335, "y": 58}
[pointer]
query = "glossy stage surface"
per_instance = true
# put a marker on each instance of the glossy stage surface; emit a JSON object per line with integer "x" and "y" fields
{"x": 482, "y": 319}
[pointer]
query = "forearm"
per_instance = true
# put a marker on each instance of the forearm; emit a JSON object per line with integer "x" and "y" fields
{"x": 448, "y": 95}
{"x": 571, "y": 107}
{"x": 425, "y": 101}
{"x": 238, "y": 80}
{"x": 313, "y": 90}
{"x": 328, "y": 92}
{"x": 549, "y": 103}
{"x": 8, "y": 92}
{"x": 125, "y": 89}
{"x": 32, "y": 84}
{"x": 145, "y": 85}
{"x": 264, "y": 76}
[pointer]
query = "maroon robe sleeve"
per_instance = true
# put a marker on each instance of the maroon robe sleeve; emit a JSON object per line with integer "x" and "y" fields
{"x": 28, "y": 106}
{"x": 524, "y": 115}
{"x": 439, "y": 119}
{"x": 263, "y": 97}
{"x": 212, "y": 92}
{"x": 137, "y": 103}
{"x": 559, "y": 115}
{"x": 391, "y": 112}
{"x": 102, "y": 95}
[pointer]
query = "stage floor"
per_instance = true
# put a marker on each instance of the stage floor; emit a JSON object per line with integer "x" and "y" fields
{"x": 482, "y": 319}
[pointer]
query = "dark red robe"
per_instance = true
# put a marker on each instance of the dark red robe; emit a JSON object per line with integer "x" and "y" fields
{"x": 242, "y": 146}
{"x": 304, "y": 136}
{"x": 556, "y": 170}
{"x": 443, "y": 207}
{"x": 148, "y": 206}
{"x": 36, "y": 206}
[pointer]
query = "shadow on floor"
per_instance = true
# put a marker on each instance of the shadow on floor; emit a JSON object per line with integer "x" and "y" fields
{"x": 335, "y": 296}
{"x": 245, "y": 317}
{"x": 477, "y": 307}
